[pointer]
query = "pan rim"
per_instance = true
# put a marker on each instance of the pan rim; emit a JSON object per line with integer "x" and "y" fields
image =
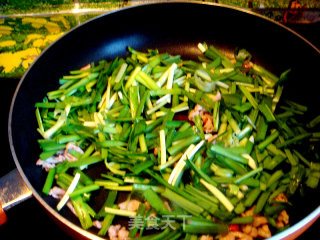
{"x": 315, "y": 214}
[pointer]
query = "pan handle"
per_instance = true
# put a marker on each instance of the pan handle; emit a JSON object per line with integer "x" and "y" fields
{"x": 12, "y": 191}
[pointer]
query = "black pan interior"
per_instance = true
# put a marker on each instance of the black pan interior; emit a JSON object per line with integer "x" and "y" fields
{"x": 173, "y": 27}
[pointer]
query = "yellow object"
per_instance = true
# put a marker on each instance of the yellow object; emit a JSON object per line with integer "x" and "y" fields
{"x": 52, "y": 37}
{"x": 35, "y": 22}
{"x": 52, "y": 27}
{"x": 26, "y": 20}
{"x": 56, "y": 18}
{"x": 5, "y": 29}
{"x": 26, "y": 63}
{"x": 7, "y": 43}
{"x": 5, "y": 32}
{"x": 32, "y": 37}
{"x": 62, "y": 20}
{"x": 10, "y": 61}
{"x": 1, "y": 20}
{"x": 37, "y": 25}
{"x": 39, "y": 43}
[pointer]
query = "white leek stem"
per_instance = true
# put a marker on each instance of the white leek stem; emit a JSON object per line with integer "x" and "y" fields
{"x": 119, "y": 212}
{"x": 70, "y": 189}
{"x": 219, "y": 195}
{"x": 163, "y": 155}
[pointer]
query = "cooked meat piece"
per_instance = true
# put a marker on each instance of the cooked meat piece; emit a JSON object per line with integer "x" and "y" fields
{"x": 45, "y": 165}
{"x": 97, "y": 224}
{"x": 66, "y": 153}
{"x": 123, "y": 234}
{"x": 59, "y": 157}
{"x": 236, "y": 235}
{"x": 259, "y": 226}
{"x": 207, "y": 122}
{"x": 206, "y": 237}
{"x": 259, "y": 220}
{"x": 229, "y": 236}
{"x": 241, "y": 236}
{"x": 57, "y": 192}
{"x": 250, "y": 230}
{"x": 113, "y": 231}
{"x": 283, "y": 219}
{"x": 131, "y": 205}
{"x": 116, "y": 232}
{"x": 51, "y": 161}
{"x": 206, "y": 118}
{"x": 249, "y": 212}
{"x": 198, "y": 110}
{"x": 281, "y": 197}
{"x": 264, "y": 231}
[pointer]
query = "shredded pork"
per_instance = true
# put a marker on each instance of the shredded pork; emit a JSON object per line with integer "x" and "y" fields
{"x": 131, "y": 205}
{"x": 206, "y": 118}
{"x": 58, "y": 193}
{"x": 116, "y": 232}
{"x": 66, "y": 153}
{"x": 206, "y": 237}
{"x": 59, "y": 157}
{"x": 51, "y": 161}
{"x": 97, "y": 224}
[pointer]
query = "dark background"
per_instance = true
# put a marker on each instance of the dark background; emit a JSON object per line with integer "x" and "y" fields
{"x": 29, "y": 220}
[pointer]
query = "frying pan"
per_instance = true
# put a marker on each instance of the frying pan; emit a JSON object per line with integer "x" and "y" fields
{"x": 175, "y": 27}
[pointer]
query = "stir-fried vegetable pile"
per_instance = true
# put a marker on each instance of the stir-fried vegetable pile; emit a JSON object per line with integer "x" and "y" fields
{"x": 196, "y": 142}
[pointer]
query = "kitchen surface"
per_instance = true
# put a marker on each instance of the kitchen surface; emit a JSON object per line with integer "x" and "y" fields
{"x": 28, "y": 219}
